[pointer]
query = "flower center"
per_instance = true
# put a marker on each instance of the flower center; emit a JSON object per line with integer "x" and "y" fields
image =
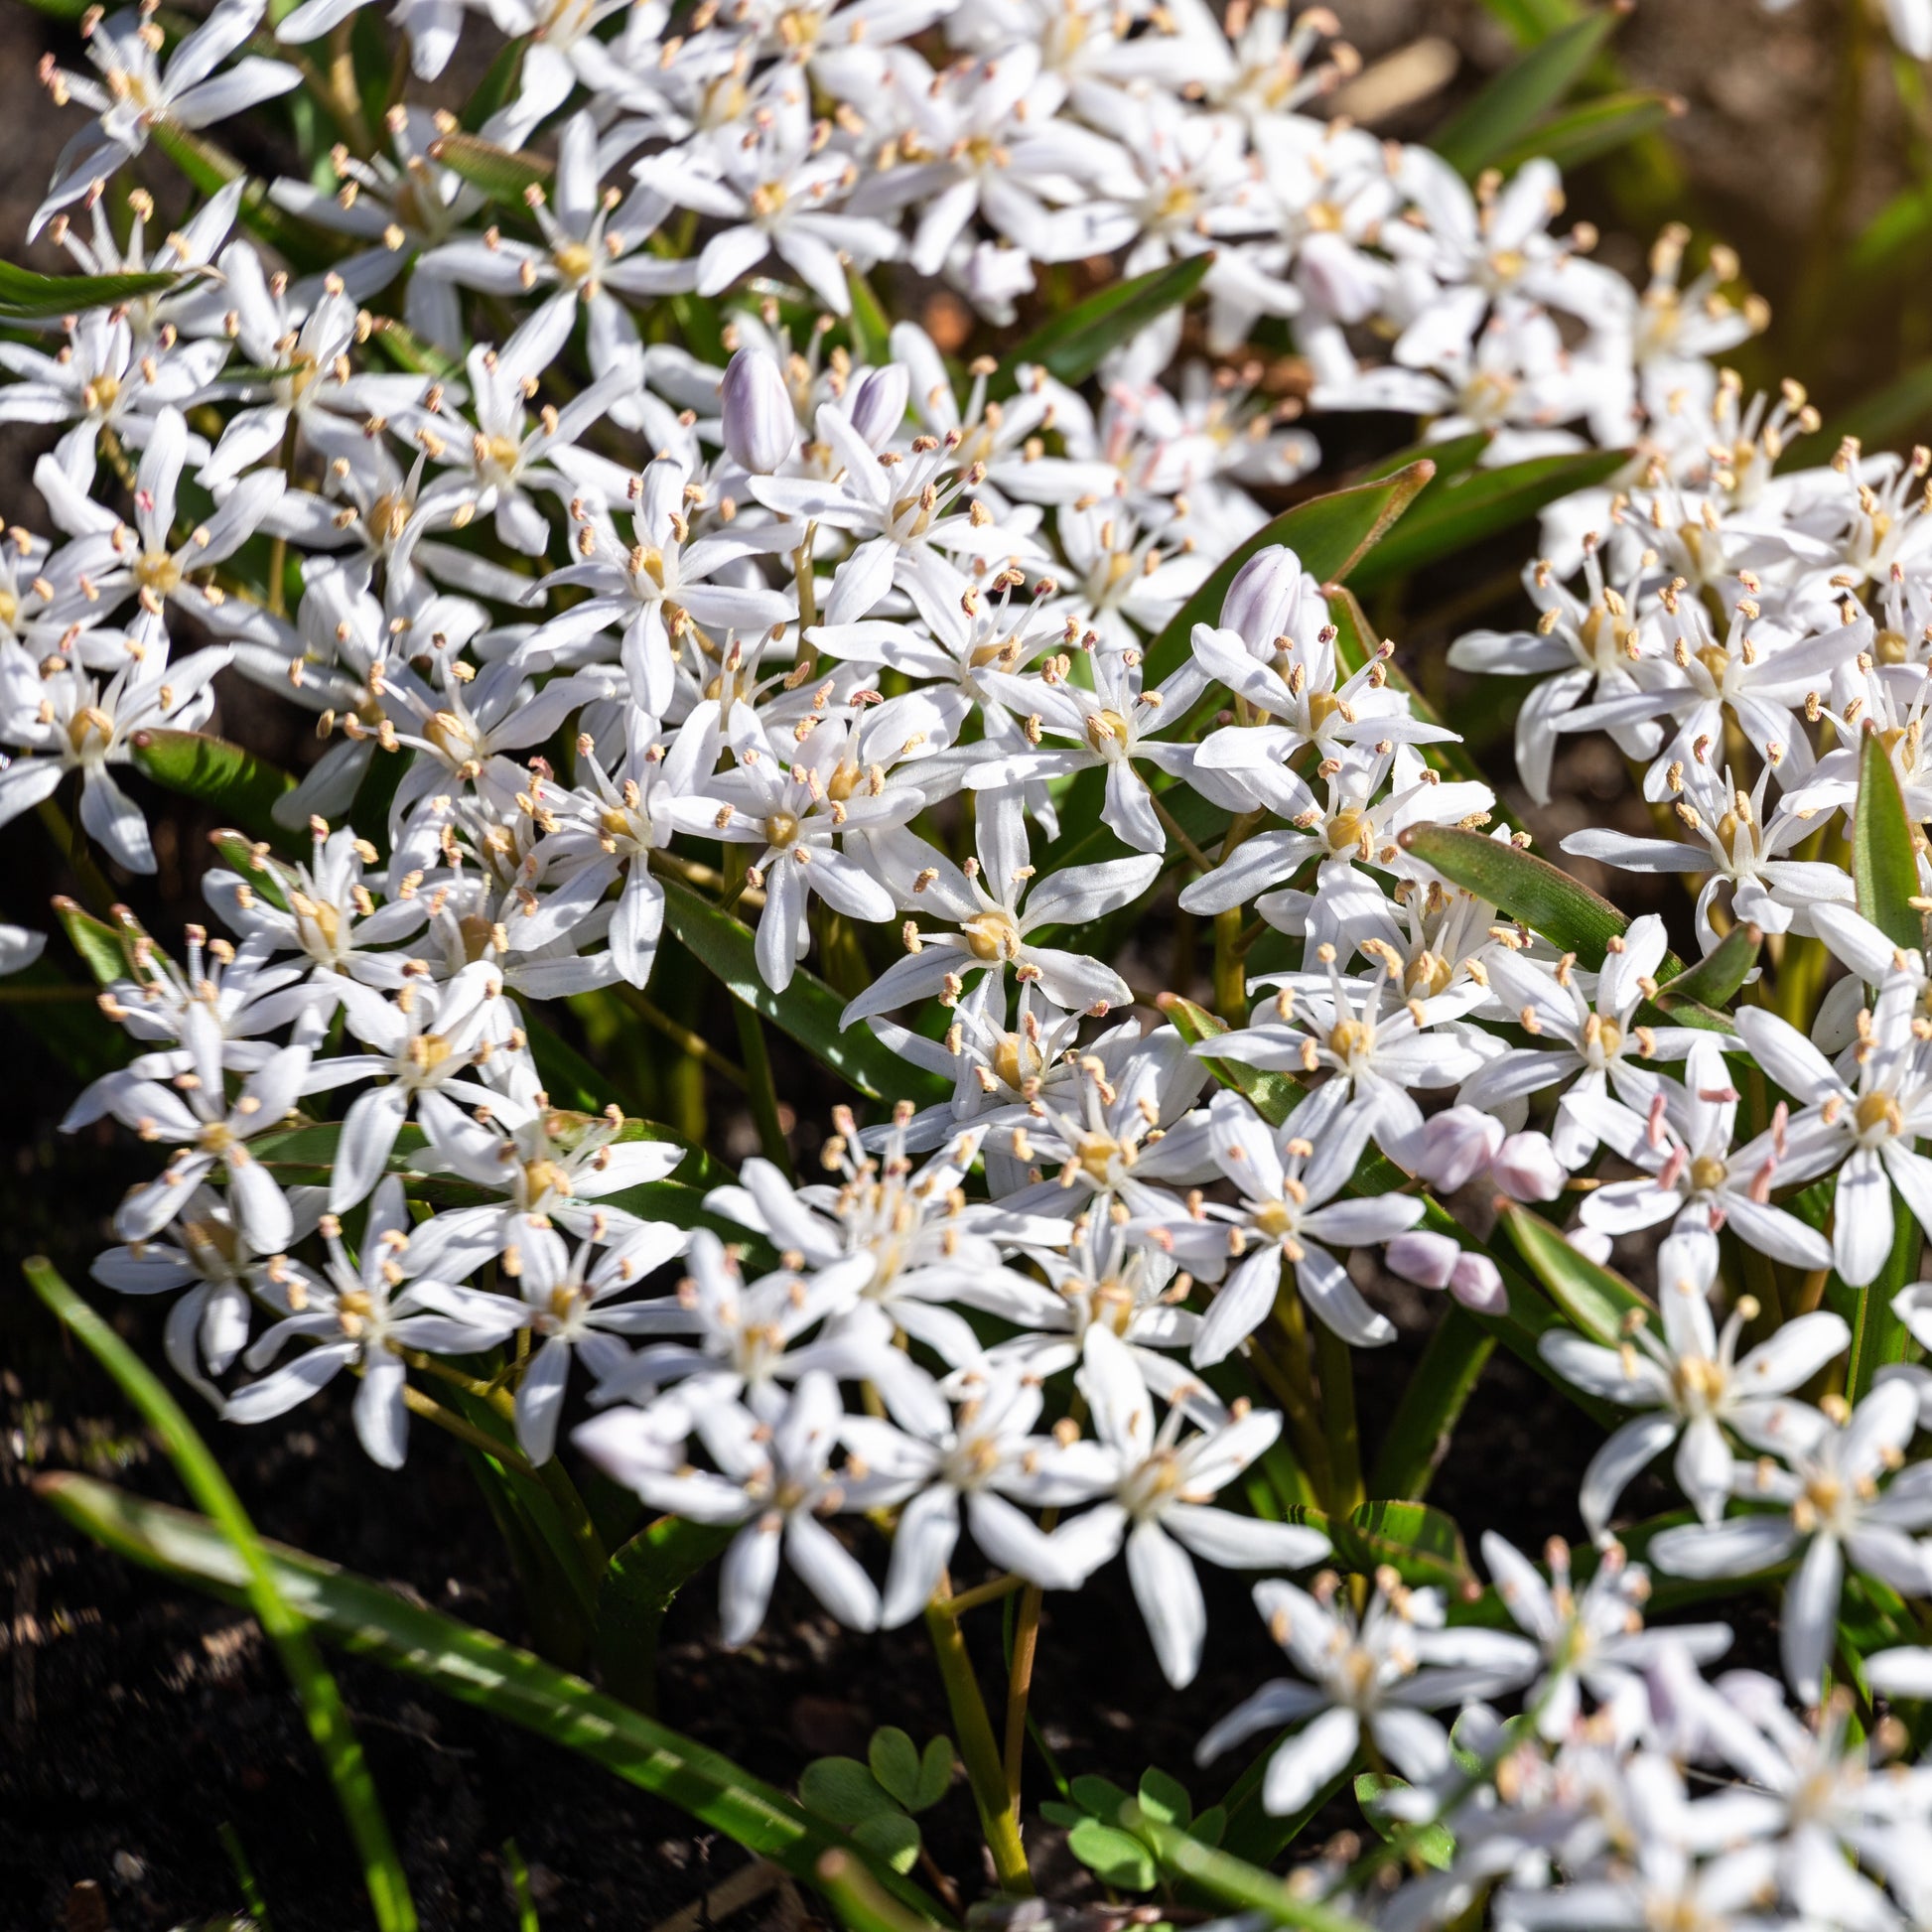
{"x": 1877, "y": 1111}
{"x": 781, "y": 830}
{"x": 158, "y": 572}
{"x": 991, "y": 936}
{"x": 1707, "y": 1173}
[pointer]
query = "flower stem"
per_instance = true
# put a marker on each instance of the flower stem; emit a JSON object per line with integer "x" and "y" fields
{"x": 1340, "y": 1426}
{"x": 1020, "y": 1682}
{"x": 998, "y": 1816}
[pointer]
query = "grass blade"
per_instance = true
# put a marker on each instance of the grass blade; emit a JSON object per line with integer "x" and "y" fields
{"x": 1596, "y": 1300}
{"x": 1885, "y": 856}
{"x": 229, "y": 1530}
{"x": 1071, "y": 346}
{"x": 476, "y": 1667}
{"x": 1518, "y": 97}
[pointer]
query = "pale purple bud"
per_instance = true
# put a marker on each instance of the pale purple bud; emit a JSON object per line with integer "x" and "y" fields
{"x": 1592, "y": 1243}
{"x": 1456, "y": 1145}
{"x": 1263, "y": 598}
{"x": 760, "y": 425}
{"x": 1526, "y": 1168}
{"x": 878, "y": 404}
{"x": 1477, "y": 1284}
{"x": 1426, "y": 1258}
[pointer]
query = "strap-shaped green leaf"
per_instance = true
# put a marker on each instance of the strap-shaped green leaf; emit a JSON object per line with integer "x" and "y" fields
{"x": 1884, "y": 853}
{"x": 253, "y": 1577}
{"x": 476, "y": 1667}
{"x": 1519, "y": 97}
{"x": 1332, "y": 535}
{"x": 28, "y": 296}
{"x": 640, "y": 1586}
{"x": 1713, "y": 981}
{"x": 1448, "y": 519}
{"x": 219, "y": 772}
{"x": 1594, "y": 129}
{"x": 1071, "y": 346}
{"x": 1525, "y": 888}
{"x": 808, "y": 1010}
{"x": 1597, "y": 1299}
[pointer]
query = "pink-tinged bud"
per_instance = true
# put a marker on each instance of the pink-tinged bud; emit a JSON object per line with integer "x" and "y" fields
{"x": 1265, "y": 596}
{"x": 1476, "y": 1284}
{"x": 1423, "y": 1256}
{"x": 1526, "y": 1169}
{"x": 1592, "y": 1243}
{"x": 1456, "y": 1145}
{"x": 878, "y": 404}
{"x": 760, "y": 425}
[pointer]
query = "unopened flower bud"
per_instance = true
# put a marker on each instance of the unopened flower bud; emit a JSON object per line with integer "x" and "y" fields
{"x": 1526, "y": 1169}
{"x": 1477, "y": 1284}
{"x": 1263, "y": 598}
{"x": 759, "y": 426}
{"x": 878, "y": 404}
{"x": 1426, "y": 1258}
{"x": 1456, "y": 1145}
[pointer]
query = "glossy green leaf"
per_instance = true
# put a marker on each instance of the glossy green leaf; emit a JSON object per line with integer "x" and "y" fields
{"x": 97, "y": 943}
{"x": 1114, "y": 1857}
{"x": 1519, "y": 97}
{"x": 1714, "y": 980}
{"x": 808, "y": 1010}
{"x": 1332, "y": 535}
{"x": 1421, "y": 1542}
{"x": 1525, "y": 888}
{"x": 1598, "y": 1301}
{"x": 503, "y": 175}
{"x": 1073, "y": 345}
{"x": 1455, "y": 455}
{"x": 1884, "y": 857}
{"x": 253, "y": 860}
{"x": 28, "y": 296}
{"x": 255, "y": 1578}
{"x": 217, "y": 772}
{"x": 638, "y": 1587}
{"x": 469, "y": 1664}
{"x": 1594, "y": 129}
{"x": 1444, "y": 522}
{"x": 1434, "y": 1845}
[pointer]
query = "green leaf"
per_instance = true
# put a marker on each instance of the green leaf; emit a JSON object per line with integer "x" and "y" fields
{"x": 872, "y": 327}
{"x": 218, "y": 774}
{"x": 503, "y": 175}
{"x": 1275, "y": 1095}
{"x": 1530, "y": 21}
{"x": 474, "y": 1666}
{"x": 28, "y": 296}
{"x": 1885, "y": 856}
{"x": 1455, "y": 455}
{"x": 231, "y": 1538}
{"x": 1114, "y": 1857}
{"x": 1165, "y": 1798}
{"x": 1421, "y": 1542}
{"x": 1594, "y": 1299}
{"x": 1434, "y": 1398}
{"x": 894, "y": 1761}
{"x": 892, "y": 1834}
{"x": 843, "y": 1790}
{"x": 1519, "y": 97}
{"x": 1073, "y": 345}
{"x": 638, "y": 1587}
{"x": 917, "y": 1780}
{"x": 1447, "y": 521}
{"x": 1434, "y": 1844}
{"x": 1713, "y": 981}
{"x": 1331, "y": 534}
{"x": 1527, "y": 888}
{"x": 1232, "y": 1880}
{"x": 808, "y": 1010}
{"x": 1894, "y": 237}
{"x": 97, "y": 943}
{"x": 209, "y": 167}
{"x": 1594, "y": 129}
{"x": 251, "y": 859}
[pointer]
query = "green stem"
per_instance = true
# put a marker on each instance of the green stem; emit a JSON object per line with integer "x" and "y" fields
{"x": 1335, "y": 1363}
{"x": 1294, "y": 1389}
{"x": 759, "y": 1089}
{"x": 978, "y": 1746}
{"x": 68, "y": 841}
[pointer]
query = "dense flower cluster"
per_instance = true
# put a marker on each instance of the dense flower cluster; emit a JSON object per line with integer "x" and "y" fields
{"x": 813, "y": 630}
